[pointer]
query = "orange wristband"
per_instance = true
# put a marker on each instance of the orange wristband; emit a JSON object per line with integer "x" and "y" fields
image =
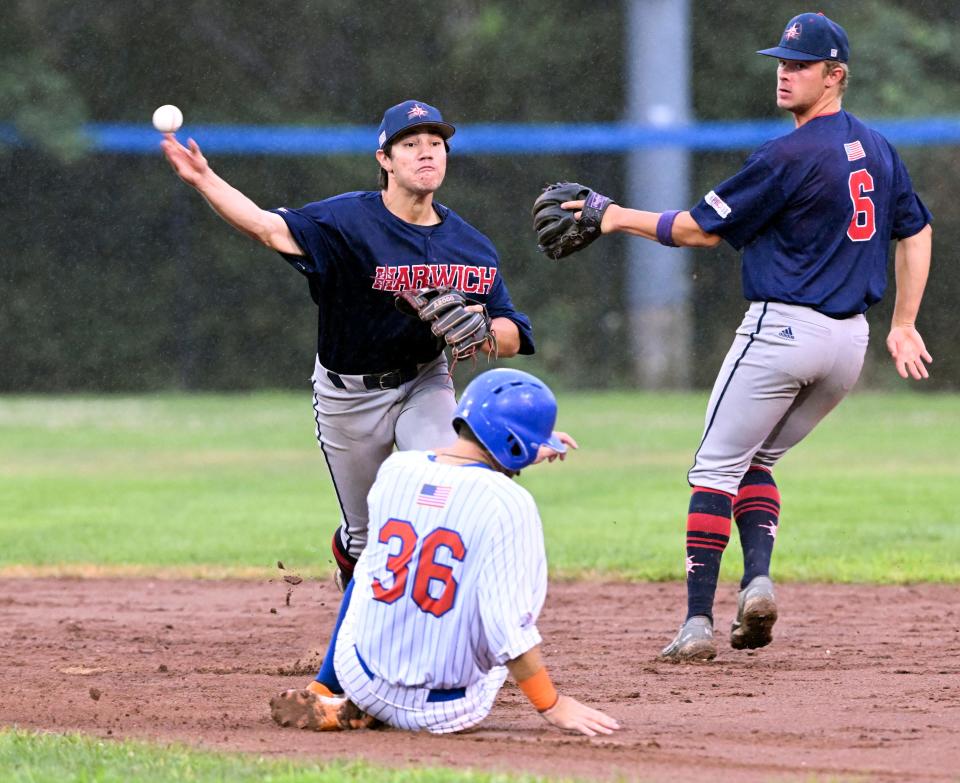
{"x": 539, "y": 689}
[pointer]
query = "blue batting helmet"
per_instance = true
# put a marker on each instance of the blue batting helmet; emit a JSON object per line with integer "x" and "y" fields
{"x": 512, "y": 414}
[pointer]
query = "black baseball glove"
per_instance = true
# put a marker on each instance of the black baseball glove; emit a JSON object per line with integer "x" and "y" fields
{"x": 465, "y": 331}
{"x": 558, "y": 233}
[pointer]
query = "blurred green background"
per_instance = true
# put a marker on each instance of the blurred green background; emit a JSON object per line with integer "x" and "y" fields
{"x": 117, "y": 277}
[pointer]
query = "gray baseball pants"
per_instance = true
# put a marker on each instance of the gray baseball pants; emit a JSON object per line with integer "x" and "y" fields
{"x": 788, "y": 367}
{"x": 358, "y": 428}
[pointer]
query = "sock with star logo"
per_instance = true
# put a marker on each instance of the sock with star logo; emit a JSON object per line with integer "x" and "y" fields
{"x": 708, "y": 531}
{"x": 757, "y": 511}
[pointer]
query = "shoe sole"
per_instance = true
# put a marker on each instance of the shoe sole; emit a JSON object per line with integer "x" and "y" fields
{"x": 303, "y": 709}
{"x": 694, "y": 652}
{"x": 756, "y": 624}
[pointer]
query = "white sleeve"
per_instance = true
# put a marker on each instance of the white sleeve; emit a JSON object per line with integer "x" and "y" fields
{"x": 513, "y": 578}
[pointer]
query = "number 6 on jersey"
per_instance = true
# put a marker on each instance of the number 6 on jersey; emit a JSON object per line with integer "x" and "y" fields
{"x": 862, "y": 224}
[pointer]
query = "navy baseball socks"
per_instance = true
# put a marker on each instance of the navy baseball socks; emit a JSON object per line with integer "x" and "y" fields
{"x": 708, "y": 532}
{"x": 757, "y": 511}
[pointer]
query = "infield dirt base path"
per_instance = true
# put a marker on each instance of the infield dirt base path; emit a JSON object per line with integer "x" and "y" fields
{"x": 860, "y": 683}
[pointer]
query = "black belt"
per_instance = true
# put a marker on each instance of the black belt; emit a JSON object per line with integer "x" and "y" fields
{"x": 380, "y": 380}
{"x": 839, "y": 316}
{"x": 436, "y": 694}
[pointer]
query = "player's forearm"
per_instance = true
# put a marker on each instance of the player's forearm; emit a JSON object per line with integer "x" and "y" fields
{"x": 911, "y": 268}
{"x": 525, "y": 666}
{"x": 508, "y": 337}
{"x": 686, "y": 232}
{"x": 531, "y": 677}
{"x": 244, "y": 215}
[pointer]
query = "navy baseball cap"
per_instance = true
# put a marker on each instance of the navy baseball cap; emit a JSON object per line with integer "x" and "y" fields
{"x": 811, "y": 37}
{"x": 408, "y": 115}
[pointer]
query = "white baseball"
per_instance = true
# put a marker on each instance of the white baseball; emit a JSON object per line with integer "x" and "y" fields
{"x": 167, "y": 119}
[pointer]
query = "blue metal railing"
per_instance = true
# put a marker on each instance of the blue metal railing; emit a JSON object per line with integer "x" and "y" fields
{"x": 492, "y": 139}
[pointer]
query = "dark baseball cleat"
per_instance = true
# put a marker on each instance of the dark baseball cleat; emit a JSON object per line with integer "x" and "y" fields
{"x": 756, "y": 614}
{"x": 303, "y": 709}
{"x": 693, "y": 643}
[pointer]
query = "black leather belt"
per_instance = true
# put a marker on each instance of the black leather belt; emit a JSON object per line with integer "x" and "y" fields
{"x": 839, "y": 316}
{"x": 381, "y": 380}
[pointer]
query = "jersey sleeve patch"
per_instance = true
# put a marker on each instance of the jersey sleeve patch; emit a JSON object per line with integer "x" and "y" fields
{"x": 719, "y": 205}
{"x": 740, "y": 207}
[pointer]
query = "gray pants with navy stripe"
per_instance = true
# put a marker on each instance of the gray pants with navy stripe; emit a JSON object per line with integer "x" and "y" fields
{"x": 358, "y": 428}
{"x": 788, "y": 367}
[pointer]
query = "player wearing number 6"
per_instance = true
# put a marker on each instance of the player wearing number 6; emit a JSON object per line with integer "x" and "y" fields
{"x": 814, "y": 212}
{"x": 445, "y": 597}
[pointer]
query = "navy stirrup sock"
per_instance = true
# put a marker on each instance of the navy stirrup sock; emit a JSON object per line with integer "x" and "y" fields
{"x": 708, "y": 531}
{"x": 757, "y": 511}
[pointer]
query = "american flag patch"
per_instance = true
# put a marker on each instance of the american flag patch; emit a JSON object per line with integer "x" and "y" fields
{"x": 433, "y": 496}
{"x": 854, "y": 150}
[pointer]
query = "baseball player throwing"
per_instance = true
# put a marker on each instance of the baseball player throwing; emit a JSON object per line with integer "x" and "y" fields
{"x": 814, "y": 212}
{"x": 380, "y": 378}
{"x": 446, "y": 595}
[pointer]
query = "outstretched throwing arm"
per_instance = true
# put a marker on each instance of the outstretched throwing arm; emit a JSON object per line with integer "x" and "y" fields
{"x": 228, "y": 202}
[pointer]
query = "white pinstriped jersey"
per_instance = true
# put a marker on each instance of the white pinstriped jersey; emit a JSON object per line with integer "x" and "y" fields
{"x": 453, "y": 577}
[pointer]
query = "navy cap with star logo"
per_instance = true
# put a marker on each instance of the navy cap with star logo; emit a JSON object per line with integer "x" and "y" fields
{"x": 409, "y": 115}
{"x": 811, "y": 37}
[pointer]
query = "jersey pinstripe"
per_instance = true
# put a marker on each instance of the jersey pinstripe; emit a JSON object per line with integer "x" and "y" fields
{"x": 407, "y": 708}
{"x": 453, "y": 577}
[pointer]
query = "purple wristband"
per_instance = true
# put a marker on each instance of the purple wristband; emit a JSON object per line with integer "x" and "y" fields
{"x": 665, "y": 227}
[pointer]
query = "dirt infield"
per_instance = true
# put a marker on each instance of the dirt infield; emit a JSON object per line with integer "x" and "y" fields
{"x": 859, "y": 684}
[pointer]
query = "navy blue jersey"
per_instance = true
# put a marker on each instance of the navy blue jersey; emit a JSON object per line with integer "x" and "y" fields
{"x": 814, "y": 212}
{"x": 357, "y": 254}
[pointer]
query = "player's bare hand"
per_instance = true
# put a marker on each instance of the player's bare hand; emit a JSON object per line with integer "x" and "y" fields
{"x": 573, "y": 206}
{"x": 570, "y": 715}
{"x": 545, "y": 453}
{"x": 908, "y": 351}
{"x": 189, "y": 164}
{"x": 606, "y": 223}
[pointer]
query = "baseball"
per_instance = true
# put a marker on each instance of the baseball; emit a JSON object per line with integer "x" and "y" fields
{"x": 167, "y": 119}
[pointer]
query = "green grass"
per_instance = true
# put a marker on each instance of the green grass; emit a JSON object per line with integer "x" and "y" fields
{"x": 29, "y": 757}
{"x": 212, "y": 484}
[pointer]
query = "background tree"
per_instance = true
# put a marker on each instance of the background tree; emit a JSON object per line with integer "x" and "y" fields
{"x": 117, "y": 277}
